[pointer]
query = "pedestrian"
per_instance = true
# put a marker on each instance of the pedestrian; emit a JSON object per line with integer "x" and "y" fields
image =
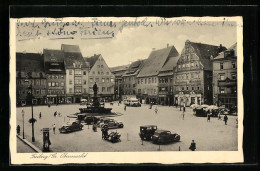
{"x": 40, "y": 115}
{"x": 208, "y": 117}
{"x": 225, "y": 119}
{"x": 54, "y": 127}
{"x": 183, "y": 115}
{"x": 192, "y": 146}
{"x": 184, "y": 107}
{"x": 156, "y": 110}
{"x": 18, "y": 129}
{"x": 180, "y": 107}
{"x": 219, "y": 117}
{"x": 125, "y": 108}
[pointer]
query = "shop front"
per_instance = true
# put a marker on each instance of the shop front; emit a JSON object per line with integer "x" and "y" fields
{"x": 188, "y": 99}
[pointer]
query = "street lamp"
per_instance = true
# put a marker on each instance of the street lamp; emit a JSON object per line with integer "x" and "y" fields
{"x": 23, "y": 122}
{"x": 31, "y": 97}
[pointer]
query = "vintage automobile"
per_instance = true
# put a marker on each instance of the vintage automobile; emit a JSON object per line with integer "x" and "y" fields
{"x": 83, "y": 102}
{"x": 147, "y": 131}
{"x": 112, "y": 124}
{"x": 91, "y": 119}
{"x": 103, "y": 121}
{"x": 164, "y": 136}
{"x": 132, "y": 102}
{"x": 71, "y": 126}
{"x": 113, "y": 137}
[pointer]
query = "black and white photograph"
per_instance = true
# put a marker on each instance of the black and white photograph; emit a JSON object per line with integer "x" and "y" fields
{"x": 138, "y": 89}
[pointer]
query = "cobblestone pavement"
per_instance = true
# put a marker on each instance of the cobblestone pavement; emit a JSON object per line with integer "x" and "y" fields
{"x": 209, "y": 136}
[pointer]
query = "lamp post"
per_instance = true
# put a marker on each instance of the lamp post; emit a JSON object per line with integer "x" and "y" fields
{"x": 31, "y": 97}
{"x": 23, "y": 122}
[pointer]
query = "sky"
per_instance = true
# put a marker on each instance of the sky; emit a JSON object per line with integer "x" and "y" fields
{"x": 134, "y": 43}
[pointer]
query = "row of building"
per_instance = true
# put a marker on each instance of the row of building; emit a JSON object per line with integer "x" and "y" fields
{"x": 61, "y": 76}
{"x": 201, "y": 74}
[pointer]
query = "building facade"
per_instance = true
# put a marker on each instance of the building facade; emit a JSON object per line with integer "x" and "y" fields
{"x": 165, "y": 82}
{"x": 30, "y": 71}
{"x": 147, "y": 79}
{"x": 101, "y": 75}
{"x": 76, "y": 73}
{"x": 193, "y": 74}
{"x": 225, "y": 78}
{"x": 55, "y": 76}
{"x": 118, "y": 73}
{"x": 130, "y": 78}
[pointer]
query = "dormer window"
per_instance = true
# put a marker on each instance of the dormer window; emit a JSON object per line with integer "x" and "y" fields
{"x": 229, "y": 53}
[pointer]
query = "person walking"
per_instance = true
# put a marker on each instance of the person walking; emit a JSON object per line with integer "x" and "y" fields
{"x": 208, "y": 117}
{"x": 192, "y": 146}
{"x": 225, "y": 119}
{"x": 156, "y": 110}
{"x": 40, "y": 115}
{"x": 54, "y": 127}
{"x": 184, "y": 107}
{"x": 183, "y": 115}
{"x": 18, "y": 129}
{"x": 125, "y": 108}
{"x": 219, "y": 117}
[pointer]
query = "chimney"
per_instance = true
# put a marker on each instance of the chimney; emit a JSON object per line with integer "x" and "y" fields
{"x": 167, "y": 45}
{"x": 220, "y": 46}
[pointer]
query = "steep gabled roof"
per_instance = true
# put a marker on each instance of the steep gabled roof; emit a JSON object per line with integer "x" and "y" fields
{"x": 233, "y": 47}
{"x": 205, "y": 52}
{"x": 29, "y": 62}
{"x": 135, "y": 67}
{"x": 170, "y": 64}
{"x": 119, "y": 68}
{"x": 72, "y": 58}
{"x": 92, "y": 60}
{"x": 70, "y": 48}
{"x": 51, "y": 55}
{"x": 156, "y": 60}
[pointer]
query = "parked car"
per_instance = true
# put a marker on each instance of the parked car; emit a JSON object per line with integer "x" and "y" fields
{"x": 147, "y": 131}
{"x": 83, "y": 102}
{"x": 164, "y": 136}
{"x": 103, "y": 121}
{"x": 91, "y": 119}
{"x": 112, "y": 124}
{"x": 70, "y": 127}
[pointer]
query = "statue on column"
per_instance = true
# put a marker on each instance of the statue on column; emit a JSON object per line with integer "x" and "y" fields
{"x": 95, "y": 89}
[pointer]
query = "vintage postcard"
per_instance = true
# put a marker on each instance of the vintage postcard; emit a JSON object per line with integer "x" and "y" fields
{"x": 126, "y": 90}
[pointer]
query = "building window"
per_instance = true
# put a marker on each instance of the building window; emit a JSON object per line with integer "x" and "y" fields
{"x": 101, "y": 66}
{"x": 152, "y": 80}
{"x": 97, "y": 80}
{"x": 183, "y": 65}
{"x": 84, "y": 73}
{"x": 56, "y": 77}
{"x": 221, "y": 66}
{"x": 91, "y": 80}
{"x": 222, "y": 77}
{"x": 70, "y": 90}
{"x": 198, "y": 88}
{"x": 107, "y": 80}
{"x": 187, "y": 88}
{"x": 70, "y": 72}
{"x": 155, "y": 80}
{"x": 103, "y": 80}
{"x": 142, "y": 81}
{"x": 222, "y": 90}
{"x": 57, "y": 84}
{"x": 49, "y": 84}
{"x": 62, "y": 84}
{"x": 233, "y": 65}
{"x": 42, "y": 91}
{"x": 192, "y": 64}
{"x": 192, "y": 88}
{"x": 84, "y": 82}
{"x": 138, "y": 81}
{"x": 187, "y": 65}
{"x": 108, "y": 89}
{"x": 234, "y": 76}
{"x": 112, "y": 80}
{"x": 49, "y": 91}
{"x": 154, "y": 91}
{"x": 98, "y": 73}
{"x": 70, "y": 82}
{"x": 77, "y": 72}
{"x": 37, "y": 91}
{"x": 91, "y": 89}
{"x": 53, "y": 84}
{"x": 182, "y": 88}
{"x": 103, "y": 89}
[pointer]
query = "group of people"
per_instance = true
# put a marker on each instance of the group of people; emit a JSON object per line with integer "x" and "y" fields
{"x": 55, "y": 114}
{"x": 219, "y": 117}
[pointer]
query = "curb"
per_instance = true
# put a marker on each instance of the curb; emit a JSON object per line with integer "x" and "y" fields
{"x": 29, "y": 144}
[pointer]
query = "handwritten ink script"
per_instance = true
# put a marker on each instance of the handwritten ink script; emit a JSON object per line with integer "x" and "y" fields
{"x": 96, "y": 28}
{"x": 45, "y": 156}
